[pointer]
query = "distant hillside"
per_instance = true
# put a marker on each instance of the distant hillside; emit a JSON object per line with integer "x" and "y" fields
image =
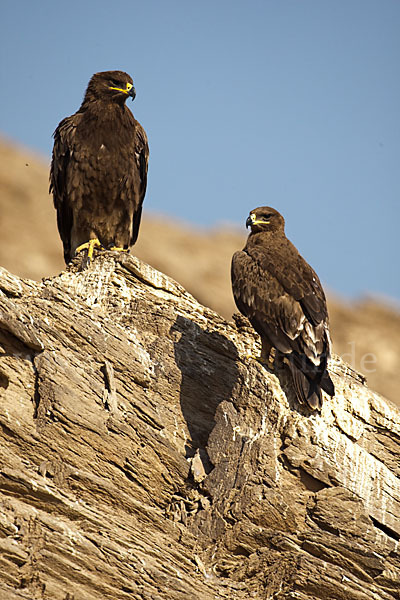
{"x": 366, "y": 333}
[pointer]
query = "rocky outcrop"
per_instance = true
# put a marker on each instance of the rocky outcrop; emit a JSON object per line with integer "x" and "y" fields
{"x": 146, "y": 455}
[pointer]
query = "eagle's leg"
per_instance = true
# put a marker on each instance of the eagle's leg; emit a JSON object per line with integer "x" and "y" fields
{"x": 267, "y": 354}
{"x": 89, "y": 246}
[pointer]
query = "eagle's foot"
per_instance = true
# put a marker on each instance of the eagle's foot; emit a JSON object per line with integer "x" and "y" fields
{"x": 89, "y": 247}
{"x": 119, "y": 249}
{"x": 249, "y": 356}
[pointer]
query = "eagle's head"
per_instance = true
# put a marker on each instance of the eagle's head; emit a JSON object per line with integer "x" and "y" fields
{"x": 265, "y": 218}
{"x": 111, "y": 86}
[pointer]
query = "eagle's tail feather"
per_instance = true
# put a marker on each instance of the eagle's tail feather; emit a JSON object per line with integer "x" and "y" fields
{"x": 326, "y": 384}
{"x": 308, "y": 391}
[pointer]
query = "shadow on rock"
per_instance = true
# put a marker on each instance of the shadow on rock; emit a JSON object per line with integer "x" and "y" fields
{"x": 207, "y": 361}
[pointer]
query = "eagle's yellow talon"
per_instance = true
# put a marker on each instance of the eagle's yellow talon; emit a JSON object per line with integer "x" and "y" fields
{"x": 118, "y": 249}
{"x": 89, "y": 246}
{"x": 249, "y": 356}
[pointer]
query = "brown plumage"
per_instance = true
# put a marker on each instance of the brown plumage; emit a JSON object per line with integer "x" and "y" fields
{"x": 98, "y": 171}
{"x": 281, "y": 295}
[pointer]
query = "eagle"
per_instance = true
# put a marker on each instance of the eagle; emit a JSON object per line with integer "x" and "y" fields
{"x": 281, "y": 295}
{"x": 98, "y": 173}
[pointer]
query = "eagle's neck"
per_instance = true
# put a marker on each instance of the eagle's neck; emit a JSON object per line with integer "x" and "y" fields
{"x": 265, "y": 238}
{"x": 103, "y": 109}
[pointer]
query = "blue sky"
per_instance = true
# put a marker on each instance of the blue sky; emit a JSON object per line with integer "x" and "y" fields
{"x": 293, "y": 104}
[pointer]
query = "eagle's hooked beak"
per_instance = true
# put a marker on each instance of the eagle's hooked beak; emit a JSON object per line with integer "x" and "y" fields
{"x": 131, "y": 91}
{"x": 249, "y": 222}
{"x": 252, "y": 220}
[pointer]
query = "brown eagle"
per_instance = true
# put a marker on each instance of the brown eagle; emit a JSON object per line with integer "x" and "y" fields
{"x": 98, "y": 172}
{"x": 281, "y": 295}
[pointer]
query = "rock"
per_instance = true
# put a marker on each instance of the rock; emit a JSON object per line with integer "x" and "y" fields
{"x": 145, "y": 456}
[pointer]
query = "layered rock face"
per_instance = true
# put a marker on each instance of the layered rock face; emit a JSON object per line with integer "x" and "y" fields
{"x": 365, "y": 332}
{"x": 146, "y": 455}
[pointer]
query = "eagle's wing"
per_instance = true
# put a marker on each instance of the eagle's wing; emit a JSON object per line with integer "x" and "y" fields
{"x": 280, "y": 304}
{"x": 296, "y": 277}
{"x": 60, "y": 178}
{"x": 141, "y": 150}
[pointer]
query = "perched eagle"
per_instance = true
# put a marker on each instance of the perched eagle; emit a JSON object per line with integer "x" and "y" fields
{"x": 281, "y": 295}
{"x": 98, "y": 170}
